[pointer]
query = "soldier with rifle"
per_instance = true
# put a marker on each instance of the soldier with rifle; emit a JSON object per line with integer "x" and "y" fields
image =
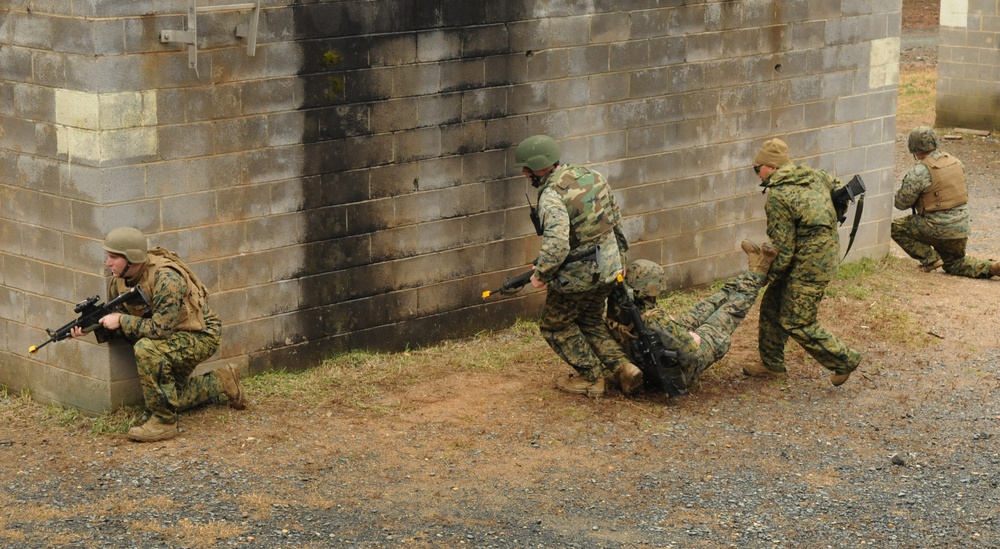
{"x": 171, "y": 331}
{"x": 581, "y": 255}
{"x": 695, "y": 340}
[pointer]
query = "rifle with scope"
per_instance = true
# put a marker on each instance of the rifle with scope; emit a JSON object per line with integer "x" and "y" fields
{"x": 91, "y": 312}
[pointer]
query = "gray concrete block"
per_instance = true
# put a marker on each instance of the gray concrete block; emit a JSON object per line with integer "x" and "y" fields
{"x": 233, "y": 135}
{"x": 16, "y": 63}
{"x": 851, "y": 109}
{"x": 569, "y": 93}
{"x": 185, "y": 140}
{"x": 709, "y": 46}
{"x": 438, "y": 45}
{"x": 627, "y": 56}
{"x": 417, "y": 144}
{"x": 589, "y": 60}
{"x": 188, "y": 210}
{"x": 109, "y": 73}
{"x": 610, "y": 27}
{"x": 463, "y": 74}
{"x": 485, "y": 40}
{"x": 383, "y": 181}
{"x": 30, "y": 30}
{"x": 411, "y": 80}
{"x": 439, "y": 109}
{"x": 49, "y": 69}
{"x": 88, "y": 36}
{"x": 460, "y": 139}
{"x": 484, "y": 104}
{"x": 547, "y": 64}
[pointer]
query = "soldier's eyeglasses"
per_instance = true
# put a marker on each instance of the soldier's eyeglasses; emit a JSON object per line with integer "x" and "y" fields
{"x": 756, "y": 169}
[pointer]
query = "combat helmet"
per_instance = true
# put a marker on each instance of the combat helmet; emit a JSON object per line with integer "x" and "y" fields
{"x": 127, "y": 241}
{"x": 645, "y": 278}
{"x": 922, "y": 140}
{"x": 537, "y": 153}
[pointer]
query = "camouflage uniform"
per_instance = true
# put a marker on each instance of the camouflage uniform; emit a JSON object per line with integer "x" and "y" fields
{"x": 713, "y": 319}
{"x": 581, "y": 254}
{"x": 933, "y": 236}
{"x": 802, "y": 224}
{"x": 165, "y": 356}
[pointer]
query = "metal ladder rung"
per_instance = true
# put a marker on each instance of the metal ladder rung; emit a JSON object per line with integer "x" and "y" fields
{"x": 228, "y": 7}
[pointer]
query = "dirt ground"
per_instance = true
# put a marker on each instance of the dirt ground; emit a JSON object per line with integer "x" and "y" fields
{"x": 903, "y": 455}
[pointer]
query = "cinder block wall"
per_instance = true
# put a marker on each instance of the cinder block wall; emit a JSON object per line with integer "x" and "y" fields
{"x": 352, "y": 185}
{"x": 968, "y": 86}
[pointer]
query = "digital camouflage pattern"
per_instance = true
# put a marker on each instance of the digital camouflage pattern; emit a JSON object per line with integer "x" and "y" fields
{"x": 934, "y": 235}
{"x": 645, "y": 278}
{"x": 578, "y": 212}
{"x": 573, "y": 326}
{"x": 802, "y": 224}
{"x": 922, "y": 139}
{"x": 714, "y": 319}
{"x": 166, "y": 357}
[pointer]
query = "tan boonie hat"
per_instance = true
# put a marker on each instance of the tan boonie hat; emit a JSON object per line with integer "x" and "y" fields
{"x": 773, "y": 153}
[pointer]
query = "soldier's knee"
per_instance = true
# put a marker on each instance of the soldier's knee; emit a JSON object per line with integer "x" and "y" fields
{"x": 145, "y": 349}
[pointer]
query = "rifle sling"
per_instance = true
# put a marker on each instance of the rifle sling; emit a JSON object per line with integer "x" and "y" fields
{"x": 857, "y": 221}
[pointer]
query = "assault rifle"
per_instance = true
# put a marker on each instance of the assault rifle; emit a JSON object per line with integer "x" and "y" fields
{"x": 91, "y": 312}
{"x": 512, "y": 285}
{"x": 658, "y": 364}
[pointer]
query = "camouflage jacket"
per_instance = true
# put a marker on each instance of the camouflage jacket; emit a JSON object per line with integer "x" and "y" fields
{"x": 169, "y": 289}
{"x": 942, "y": 224}
{"x": 578, "y": 214}
{"x": 802, "y": 223}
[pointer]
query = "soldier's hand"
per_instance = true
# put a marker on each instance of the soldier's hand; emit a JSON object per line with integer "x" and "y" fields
{"x": 535, "y": 283}
{"x": 112, "y": 321}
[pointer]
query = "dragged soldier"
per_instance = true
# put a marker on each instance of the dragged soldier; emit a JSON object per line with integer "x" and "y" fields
{"x": 802, "y": 225}
{"x": 702, "y": 335}
{"x": 170, "y": 335}
{"x": 581, "y": 254}
{"x": 937, "y": 231}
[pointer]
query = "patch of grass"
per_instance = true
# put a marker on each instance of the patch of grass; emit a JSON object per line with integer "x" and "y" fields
{"x": 117, "y": 422}
{"x": 917, "y": 96}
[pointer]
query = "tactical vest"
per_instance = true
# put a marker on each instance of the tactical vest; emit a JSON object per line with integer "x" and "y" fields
{"x": 191, "y": 317}
{"x": 588, "y": 201}
{"x": 947, "y": 184}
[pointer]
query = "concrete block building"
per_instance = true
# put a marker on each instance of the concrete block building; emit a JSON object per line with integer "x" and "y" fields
{"x": 968, "y": 87}
{"x": 340, "y": 172}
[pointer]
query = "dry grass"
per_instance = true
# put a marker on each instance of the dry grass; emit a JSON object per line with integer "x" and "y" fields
{"x": 917, "y": 95}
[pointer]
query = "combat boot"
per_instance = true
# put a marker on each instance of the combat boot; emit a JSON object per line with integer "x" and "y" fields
{"x": 580, "y": 386}
{"x": 839, "y": 379}
{"x": 750, "y": 247}
{"x": 933, "y": 266}
{"x": 153, "y": 430}
{"x": 629, "y": 378}
{"x": 761, "y": 262}
{"x": 756, "y": 369}
{"x": 229, "y": 377}
{"x": 995, "y": 269}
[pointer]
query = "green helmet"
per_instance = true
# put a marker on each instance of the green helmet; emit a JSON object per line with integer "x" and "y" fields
{"x": 127, "y": 241}
{"x": 645, "y": 278}
{"x": 922, "y": 139}
{"x": 537, "y": 153}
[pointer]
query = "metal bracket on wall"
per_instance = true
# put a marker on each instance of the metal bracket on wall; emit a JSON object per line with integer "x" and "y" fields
{"x": 190, "y": 36}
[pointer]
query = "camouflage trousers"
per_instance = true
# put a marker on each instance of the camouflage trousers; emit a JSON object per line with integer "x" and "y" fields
{"x": 914, "y": 237}
{"x": 715, "y": 318}
{"x": 165, "y": 367}
{"x": 788, "y": 309}
{"x": 573, "y": 326}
